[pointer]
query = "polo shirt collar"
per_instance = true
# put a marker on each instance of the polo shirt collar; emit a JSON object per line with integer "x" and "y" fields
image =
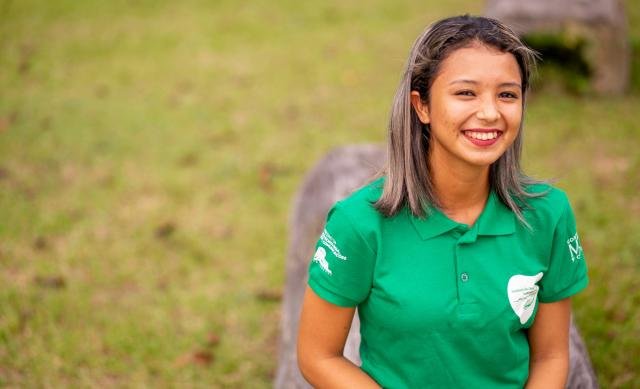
{"x": 435, "y": 223}
{"x": 495, "y": 219}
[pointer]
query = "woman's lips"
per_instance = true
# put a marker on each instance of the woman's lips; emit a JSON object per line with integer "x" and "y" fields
{"x": 483, "y": 138}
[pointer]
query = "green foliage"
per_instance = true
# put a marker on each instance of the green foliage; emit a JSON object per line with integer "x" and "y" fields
{"x": 562, "y": 62}
{"x": 149, "y": 152}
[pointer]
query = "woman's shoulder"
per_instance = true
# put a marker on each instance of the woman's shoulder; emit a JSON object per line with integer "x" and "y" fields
{"x": 360, "y": 204}
{"x": 547, "y": 194}
{"x": 548, "y": 202}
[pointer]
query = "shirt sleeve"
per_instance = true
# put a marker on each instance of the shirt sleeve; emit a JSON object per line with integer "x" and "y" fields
{"x": 341, "y": 269}
{"x": 567, "y": 272}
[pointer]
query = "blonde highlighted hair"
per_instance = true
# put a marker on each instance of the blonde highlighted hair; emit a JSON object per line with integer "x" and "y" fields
{"x": 408, "y": 178}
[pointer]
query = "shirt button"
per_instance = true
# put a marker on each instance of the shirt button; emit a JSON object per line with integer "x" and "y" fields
{"x": 464, "y": 277}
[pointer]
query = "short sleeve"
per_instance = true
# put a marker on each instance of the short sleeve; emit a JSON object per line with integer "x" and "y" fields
{"x": 341, "y": 269}
{"x": 567, "y": 271}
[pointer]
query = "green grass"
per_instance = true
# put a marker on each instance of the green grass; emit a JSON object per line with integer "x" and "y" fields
{"x": 149, "y": 152}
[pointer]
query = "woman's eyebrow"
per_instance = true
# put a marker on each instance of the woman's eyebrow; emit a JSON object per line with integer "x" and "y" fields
{"x": 514, "y": 84}
{"x": 463, "y": 82}
{"x": 503, "y": 84}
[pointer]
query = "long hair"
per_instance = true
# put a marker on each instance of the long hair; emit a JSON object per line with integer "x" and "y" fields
{"x": 408, "y": 179}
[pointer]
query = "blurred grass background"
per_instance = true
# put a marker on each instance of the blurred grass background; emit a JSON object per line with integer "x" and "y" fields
{"x": 149, "y": 152}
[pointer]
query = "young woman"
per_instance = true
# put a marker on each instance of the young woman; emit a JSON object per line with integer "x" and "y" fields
{"x": 461, "y": 267}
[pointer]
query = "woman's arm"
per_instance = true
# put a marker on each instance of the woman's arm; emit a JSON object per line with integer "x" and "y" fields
{"x": 323, "y": 332}
{"x": 549, "y": 344}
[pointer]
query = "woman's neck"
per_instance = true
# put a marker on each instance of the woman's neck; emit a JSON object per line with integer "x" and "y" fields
{"x": 462, "y": 192}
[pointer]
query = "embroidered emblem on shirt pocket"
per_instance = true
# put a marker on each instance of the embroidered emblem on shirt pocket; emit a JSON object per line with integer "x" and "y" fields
{"x": 522, "y": 292}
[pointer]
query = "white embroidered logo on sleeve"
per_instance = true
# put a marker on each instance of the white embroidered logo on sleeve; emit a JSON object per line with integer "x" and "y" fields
{"x": 320, "y": 257}
{"x": 331, "y": 244}
{"x": 575, "y": 249}
{"x": 523, "y": 292}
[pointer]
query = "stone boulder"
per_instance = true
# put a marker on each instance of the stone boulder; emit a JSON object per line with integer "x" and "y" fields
{"x": 601, "y": 23}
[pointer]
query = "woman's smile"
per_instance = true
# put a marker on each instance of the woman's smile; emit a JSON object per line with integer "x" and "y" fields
{"x": 482, "y": 137}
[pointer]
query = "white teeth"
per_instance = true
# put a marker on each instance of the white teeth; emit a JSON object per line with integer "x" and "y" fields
{"x": 482, "y": 135}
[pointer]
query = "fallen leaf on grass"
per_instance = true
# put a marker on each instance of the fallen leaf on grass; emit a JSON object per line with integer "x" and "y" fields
{"x": 202, "y": 357}
{"x": 213, "y": 339}
{"x": 40, "y": 243}
{"x": 189, "y": 159}
{"x": 622, "y": 379}
{"x": 25, "y": 59}
{"x": 292, "y": 113}
{"x": 219, "y": 196}
{"x": 222, "y": 232}
{"x": 69, "y": 173}
{"x": 266, "y": 177}
{"x": 165, "y": 230}
{"x": 163, "y": 283}
{"x": 4, "y": 173}
{"x": 269, "y": 295}
{"x": 52, "y": 282}
{"x": 45, "y": 123}
{"x": 198, "y": 357}
{"x": 221, "y": 138}
{"x": 4, "y": 124}
{"x": 268, "y": 172}
{"x": 619, "y": 316}
{"x": 13, "y": 117}
{"x": 102, "y": 91}
{"x": 23, "y": 317}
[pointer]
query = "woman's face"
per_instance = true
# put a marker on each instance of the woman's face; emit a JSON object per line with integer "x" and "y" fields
{"x": 474, "y": 109}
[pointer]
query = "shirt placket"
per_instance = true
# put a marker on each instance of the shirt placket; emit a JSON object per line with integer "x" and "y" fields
{"x": 468, "y": 308}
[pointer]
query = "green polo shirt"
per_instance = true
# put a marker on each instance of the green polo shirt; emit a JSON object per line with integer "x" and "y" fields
{"x": 442, "y": 304}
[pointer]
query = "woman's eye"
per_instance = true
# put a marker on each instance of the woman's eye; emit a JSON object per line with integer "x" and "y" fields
{"x": 508, "y": 95}
{"x": 465, "y": 93}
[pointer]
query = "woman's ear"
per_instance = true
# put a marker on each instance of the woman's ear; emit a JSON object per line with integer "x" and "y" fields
{"x": 421, "y": 108}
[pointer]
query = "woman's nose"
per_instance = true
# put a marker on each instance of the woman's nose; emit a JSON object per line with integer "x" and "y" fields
{"x": 488, "y": 110}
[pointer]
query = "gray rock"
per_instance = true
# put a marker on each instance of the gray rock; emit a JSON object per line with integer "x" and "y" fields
{"x": 601, "y": 23}
{"x": 335, "y": 176}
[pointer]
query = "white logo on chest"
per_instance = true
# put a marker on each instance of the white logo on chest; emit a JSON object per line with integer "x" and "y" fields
{"x": 523, "y": 292}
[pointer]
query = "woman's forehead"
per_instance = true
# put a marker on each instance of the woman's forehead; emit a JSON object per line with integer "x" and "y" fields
{"x": 479, "y": 62}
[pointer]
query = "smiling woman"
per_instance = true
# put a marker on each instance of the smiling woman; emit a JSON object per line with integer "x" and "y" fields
{"x": 474, "y": 112}
{"x": 457, "y": 262}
